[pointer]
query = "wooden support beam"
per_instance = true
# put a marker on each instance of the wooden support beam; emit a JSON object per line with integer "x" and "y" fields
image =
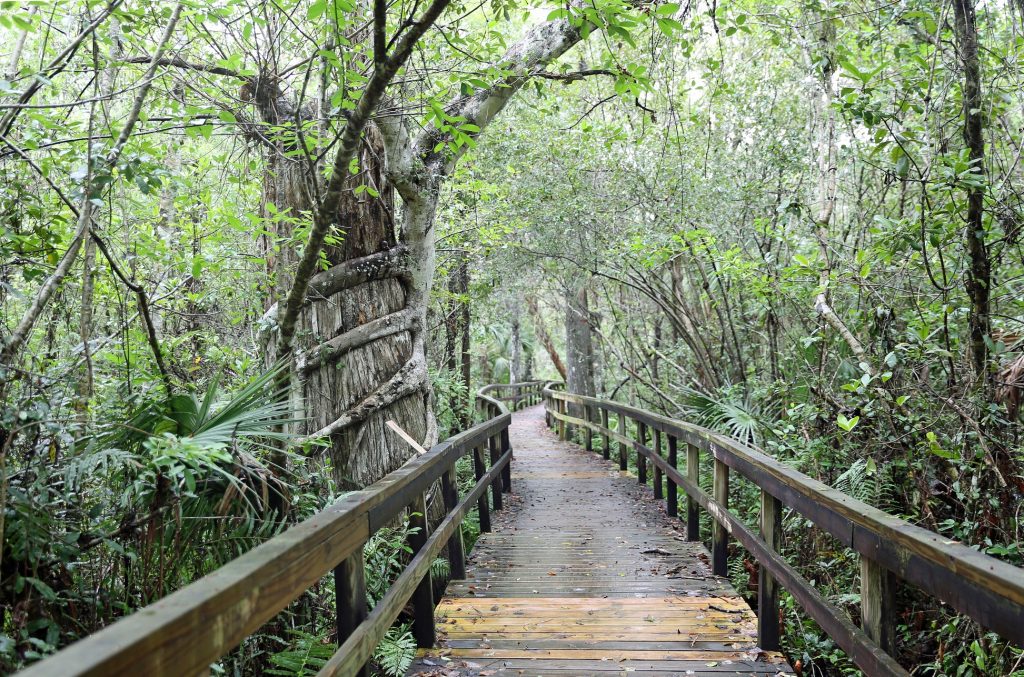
{"x": 605, "y": 444}
{"x": 481, "y": 504}
{"x": 506, "y": 472}
{"x": 456, "y": 546}
{"x": 693, "y": 474}
{"x": 719, "y": 533}
{"x": 672, "y": 505}
{"x": 350, "y": 598}
{"x": 641, "y": 460}
{"x": 562, "y": 408}
{"x": 878, "y": 604}
{"x": 767, "y": 586}
{"x": 588, "y": 434}
{"x": 622, "y": 426}
{"x": 494, "y": 450}
{"x": 657, "y": 468}
{"x": 423, "y": 598}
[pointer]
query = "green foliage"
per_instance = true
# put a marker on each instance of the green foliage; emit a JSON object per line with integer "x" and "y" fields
{"x": 306, "y": 655}
{"x": 396, "y": 651}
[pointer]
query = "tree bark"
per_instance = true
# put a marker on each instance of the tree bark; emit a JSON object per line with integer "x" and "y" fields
{"x": 979, "y": 274}
{"x": 579, "y": 343}
{"x": 516, "y": 365}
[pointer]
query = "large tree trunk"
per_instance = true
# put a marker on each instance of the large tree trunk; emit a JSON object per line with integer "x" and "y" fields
{"x": 354, "y": 338}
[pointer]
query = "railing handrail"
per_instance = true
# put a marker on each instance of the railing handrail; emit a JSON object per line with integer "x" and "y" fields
{"x": 524, "y": 392}
{"x": 976, "y": 584}
{"x": 186, "y": 631}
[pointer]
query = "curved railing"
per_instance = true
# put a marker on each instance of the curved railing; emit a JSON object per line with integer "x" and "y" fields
{"x": 982, "y": 587}
{"x": 187, "y": 631}
{"x": 516, "y": 395}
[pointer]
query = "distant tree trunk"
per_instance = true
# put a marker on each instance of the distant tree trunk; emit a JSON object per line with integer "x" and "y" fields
{"x": 541, "y": 332}
{"x": 979, "y": 274}
{"x": 467, "y": 411}
{"x": 457, "y": 338}
{"x": 579, "y": 343}
{"x": 85, "y": 322}
{"x": 515, "y": 372}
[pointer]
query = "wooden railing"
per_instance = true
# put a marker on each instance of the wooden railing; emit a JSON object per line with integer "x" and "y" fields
{"x": 890, "y": 549}
{"x": 187, "y": 631}
{"x": 517, "y": 395}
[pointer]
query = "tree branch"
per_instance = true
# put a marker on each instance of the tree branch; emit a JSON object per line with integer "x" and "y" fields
{"x": 21, "y": 333}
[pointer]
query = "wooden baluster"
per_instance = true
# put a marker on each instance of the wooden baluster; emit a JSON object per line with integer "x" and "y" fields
{"x": 423, "y": 598}
{"x": 719, "y": 535}
{"x": 456, "y": 547}
{"x": 350, "y": 598}
{"x": 641, "y": 460}
{"x": 494, "y": 451}
{"x": 693, "y": 474}
{"x": 622, "y": 425}
{"x": 672, "y": 507}
{"x": 878, "y": 604}
{"x": 767, "y": 586}
{"x": 588, "y": 435}
{"x": 507, "y": 470}
{"x": 657, "y": 468}
{"x": 481, "y": 503}
{"x": 562, "y": 408}
{"x": 605, "y": 447}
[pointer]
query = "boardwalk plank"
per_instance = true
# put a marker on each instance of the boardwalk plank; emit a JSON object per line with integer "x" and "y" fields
{"x": 584, "y": 574}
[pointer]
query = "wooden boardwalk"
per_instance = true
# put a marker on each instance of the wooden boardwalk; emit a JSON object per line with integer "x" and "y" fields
{"x": 584, "y": 574}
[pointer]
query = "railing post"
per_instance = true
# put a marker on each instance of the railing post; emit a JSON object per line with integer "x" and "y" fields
{"x": 562, "y": 409}
{"x": 456, "y": 548}
{"x": 641, "y": 460}
{"x": 719, "y": 536}
{"x": 481, "y": 503}
{"x": 423, "y": 598}
{"x": 350, "y": 598}
{"x": 493, "y": 450}
{"x": 657, "y": 468}
{"x": 622, "y": 426}
{"x": 672, "y": 507}
{"x": 693, "y": 474}
{"x": 507, "y": 470}
{"x": 605, "y": 449}
{"x": 767, "y": 586}
{"x": 589, "y": 434}
{"x": 878, "y": 604}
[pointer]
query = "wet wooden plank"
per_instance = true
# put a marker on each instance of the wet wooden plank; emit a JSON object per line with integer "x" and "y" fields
{"x": 584, "y": 573}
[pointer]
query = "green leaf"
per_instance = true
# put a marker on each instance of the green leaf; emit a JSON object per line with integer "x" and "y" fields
{"x": 316, "y": 10}
{"x": 847, "y": 424}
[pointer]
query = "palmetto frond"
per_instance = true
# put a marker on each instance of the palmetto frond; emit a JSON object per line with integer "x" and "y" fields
{"x": 740, "y": 418}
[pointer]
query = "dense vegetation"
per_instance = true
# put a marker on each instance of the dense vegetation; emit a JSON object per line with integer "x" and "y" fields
{"x": 236, "y": 237}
